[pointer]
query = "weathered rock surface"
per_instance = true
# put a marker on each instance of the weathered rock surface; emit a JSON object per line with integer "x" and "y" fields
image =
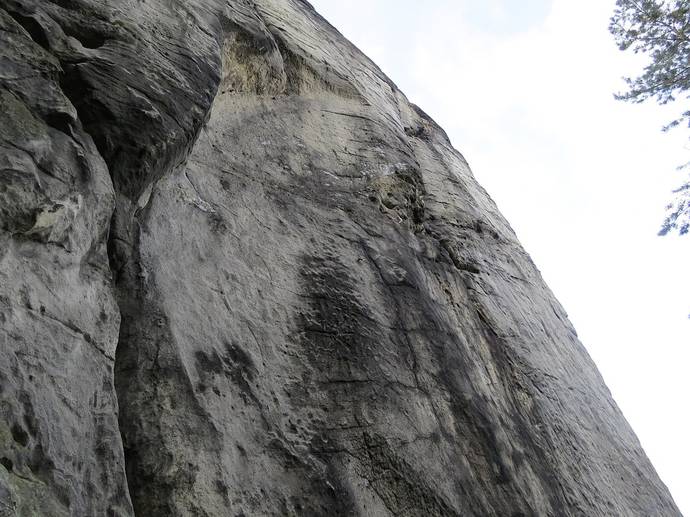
{"x": 222, "y": 218}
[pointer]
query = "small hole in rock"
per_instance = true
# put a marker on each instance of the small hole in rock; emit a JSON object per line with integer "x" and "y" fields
{"x": 19, "y": 435}
{"x": 34, "y": 28}
{"x": 7, "y": 463}
{"x": 61, "y": 122}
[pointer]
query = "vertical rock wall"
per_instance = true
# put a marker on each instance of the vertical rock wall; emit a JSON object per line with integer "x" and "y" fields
{"x": 224, "y": 213}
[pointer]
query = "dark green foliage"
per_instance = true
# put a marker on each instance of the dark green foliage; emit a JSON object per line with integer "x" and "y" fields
{"x": 661, "y": 30}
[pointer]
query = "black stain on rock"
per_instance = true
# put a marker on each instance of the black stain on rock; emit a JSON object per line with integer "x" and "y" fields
{"x": 336, "y": 330}
{"x": 341, "y": 340}
{"x": 234, "y": 364}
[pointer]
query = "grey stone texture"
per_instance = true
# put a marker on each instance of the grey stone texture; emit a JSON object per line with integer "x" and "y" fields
{"x": 240, "y": 274}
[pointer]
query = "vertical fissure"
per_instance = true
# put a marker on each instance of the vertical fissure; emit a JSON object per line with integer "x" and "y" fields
{"x": 138, "y": 148}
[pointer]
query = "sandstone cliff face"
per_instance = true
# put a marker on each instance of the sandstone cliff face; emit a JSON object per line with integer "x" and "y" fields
{"x": 240, "y": 274}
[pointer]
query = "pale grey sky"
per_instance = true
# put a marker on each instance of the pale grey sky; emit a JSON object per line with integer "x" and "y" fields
{"x": 524, "y": 90}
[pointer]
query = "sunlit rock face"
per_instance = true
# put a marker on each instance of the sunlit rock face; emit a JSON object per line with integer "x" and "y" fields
{"x": 240, "y": 274}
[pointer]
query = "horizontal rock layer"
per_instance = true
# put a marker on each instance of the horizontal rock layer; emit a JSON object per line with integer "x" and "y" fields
{"x": 240, "y": 274}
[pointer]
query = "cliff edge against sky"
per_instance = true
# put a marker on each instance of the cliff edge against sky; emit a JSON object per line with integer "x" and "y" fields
{"x": 240, "y": 274}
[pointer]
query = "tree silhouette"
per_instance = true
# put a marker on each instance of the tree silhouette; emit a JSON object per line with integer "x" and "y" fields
{"x": 661, "y": 30}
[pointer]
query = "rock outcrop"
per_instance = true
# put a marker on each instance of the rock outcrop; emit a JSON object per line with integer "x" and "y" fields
{"x": 240, "y": 274}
